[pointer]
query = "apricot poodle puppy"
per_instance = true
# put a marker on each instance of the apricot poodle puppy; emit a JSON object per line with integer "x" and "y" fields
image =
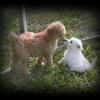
{"x": 41, "y": 45}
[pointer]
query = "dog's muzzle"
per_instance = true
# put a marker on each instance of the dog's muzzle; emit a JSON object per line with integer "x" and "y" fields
{"x": 65, "y": 42}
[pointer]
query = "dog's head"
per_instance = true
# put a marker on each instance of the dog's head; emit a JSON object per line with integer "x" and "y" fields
{"x": 57, "y": 29}
{"x": 74, "y": 43}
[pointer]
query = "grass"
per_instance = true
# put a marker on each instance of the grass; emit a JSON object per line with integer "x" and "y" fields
{"x": 57, "y": 79}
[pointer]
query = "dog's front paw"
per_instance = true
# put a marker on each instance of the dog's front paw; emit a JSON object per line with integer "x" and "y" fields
{"x": 43, "y": 64}
{"x": 59, "y": 62}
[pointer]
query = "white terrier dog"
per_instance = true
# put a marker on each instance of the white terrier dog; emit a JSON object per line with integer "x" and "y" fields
{"x": 75, "y": 58}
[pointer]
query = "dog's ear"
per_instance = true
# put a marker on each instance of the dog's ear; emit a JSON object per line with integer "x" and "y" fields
{"x": 51, "y": 30}
{"x": 78, "y": 46}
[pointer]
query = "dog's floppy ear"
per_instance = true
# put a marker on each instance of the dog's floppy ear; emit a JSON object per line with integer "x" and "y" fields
{"x": 79, "y": 47}
{"x": 51, "y": 30}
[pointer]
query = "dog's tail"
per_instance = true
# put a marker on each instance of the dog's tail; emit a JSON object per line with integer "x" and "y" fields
{"x": 13, "y": 36}
{"x": 5, "y": 71}
{"x": 93, "y": 64}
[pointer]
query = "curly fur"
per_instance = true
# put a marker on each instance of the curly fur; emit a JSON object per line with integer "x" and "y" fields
{"x": 41, "y": 45}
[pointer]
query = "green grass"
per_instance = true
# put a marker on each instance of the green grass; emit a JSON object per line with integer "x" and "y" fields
{"x": 56, "y": 79}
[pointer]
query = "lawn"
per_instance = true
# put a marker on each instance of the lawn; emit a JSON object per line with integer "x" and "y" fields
{"x": 58, "y": 79}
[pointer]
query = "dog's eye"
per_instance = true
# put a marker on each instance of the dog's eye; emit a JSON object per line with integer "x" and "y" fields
{"x": 71, "y": 41}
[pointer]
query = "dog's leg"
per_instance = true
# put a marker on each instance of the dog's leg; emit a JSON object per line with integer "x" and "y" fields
{"x": 61, "y": 61}
{"x": 19, "y": 66}
{"x": 49, "y": 60}
{"x": 40, "y": 60}
{"x": 14, "y": 66}
{"x": 14, "y": 62}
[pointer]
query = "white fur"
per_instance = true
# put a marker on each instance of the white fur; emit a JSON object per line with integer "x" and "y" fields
{"x": 75, "y": 58}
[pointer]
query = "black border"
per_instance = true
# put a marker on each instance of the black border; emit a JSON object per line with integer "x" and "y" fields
{"x": 49, "y": 4}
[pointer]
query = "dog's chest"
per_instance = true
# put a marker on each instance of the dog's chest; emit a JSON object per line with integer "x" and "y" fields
{"x": 73, "y": 58}
{"x": 76, "y": 61}
{"x": 52, "y": 46}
